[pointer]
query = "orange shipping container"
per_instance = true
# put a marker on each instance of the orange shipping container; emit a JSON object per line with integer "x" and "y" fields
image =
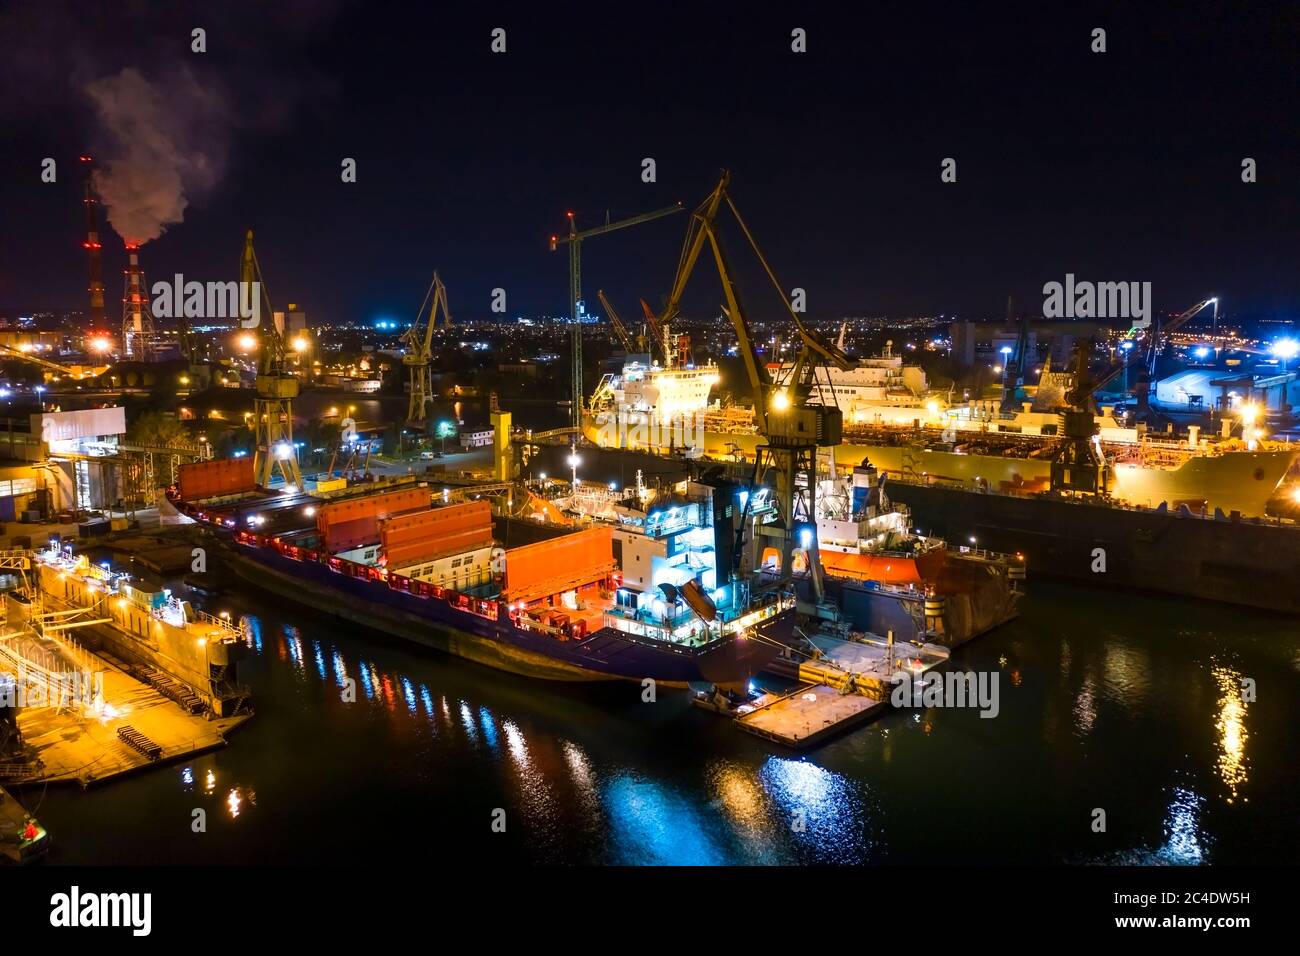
{"x": 437, "y": 523}
{"x": 405, "y": 555}
{"x": 219, "y": 476}
{"x": 559, "y": 564}
{"x": 345, "y": 535}
{"x": 371, "y": 507}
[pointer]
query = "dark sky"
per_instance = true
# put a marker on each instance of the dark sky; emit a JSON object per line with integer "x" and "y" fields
{"x": 1116, "y": 166}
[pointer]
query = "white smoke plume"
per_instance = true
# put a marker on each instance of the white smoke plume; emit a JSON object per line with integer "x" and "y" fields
{"x": 165, "y": 145}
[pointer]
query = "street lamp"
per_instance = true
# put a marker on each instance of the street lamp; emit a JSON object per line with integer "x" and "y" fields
{"x": 446, "y": 429}
{"x": 1126, "y": 347}
{"x": 1006, "y": 351}
{"x": 574, "y": 462}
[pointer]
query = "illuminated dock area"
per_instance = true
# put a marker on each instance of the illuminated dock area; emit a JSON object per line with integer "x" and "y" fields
{"x": 809, "y": 715}
{"x": 83, "y": 745}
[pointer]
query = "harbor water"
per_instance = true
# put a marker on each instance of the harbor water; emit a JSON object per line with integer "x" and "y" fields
{"x": 1109, "y": 702}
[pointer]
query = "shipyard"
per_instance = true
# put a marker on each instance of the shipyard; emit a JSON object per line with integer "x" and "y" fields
{"x": 444, "y": 454}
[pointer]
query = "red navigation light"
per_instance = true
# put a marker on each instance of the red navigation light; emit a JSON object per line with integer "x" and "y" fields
{"x": 569, "y": 214}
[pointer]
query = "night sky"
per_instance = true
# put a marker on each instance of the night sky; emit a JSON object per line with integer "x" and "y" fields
{"x": 1117, "y": 166}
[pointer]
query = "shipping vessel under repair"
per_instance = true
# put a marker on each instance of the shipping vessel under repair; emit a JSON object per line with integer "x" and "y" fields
{"x": 434, "y": 572}
{"x": 1253, "y": 562}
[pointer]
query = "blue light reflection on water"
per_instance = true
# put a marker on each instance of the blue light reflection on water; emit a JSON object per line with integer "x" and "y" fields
{"x": 1146, "y": 727}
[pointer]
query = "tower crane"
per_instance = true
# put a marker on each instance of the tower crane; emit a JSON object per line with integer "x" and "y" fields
{"x": 793, "y": 428}
{"x": 276, "y": 389}
{"x": 420, "y": 352}
{"x": 620, "y": 330}
{"x": 574, "y": 240}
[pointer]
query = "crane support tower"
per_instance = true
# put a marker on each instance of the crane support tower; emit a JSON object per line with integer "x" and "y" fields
{"x": 793, "y": 428}
{"x": 276, "y": 390}
{"x": 574, "y": 239}
{"x": 419, "y": 339}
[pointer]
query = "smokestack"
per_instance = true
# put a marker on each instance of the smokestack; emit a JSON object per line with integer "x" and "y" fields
{"x": 134, "y": 339}
{"x": 96, "y": 284}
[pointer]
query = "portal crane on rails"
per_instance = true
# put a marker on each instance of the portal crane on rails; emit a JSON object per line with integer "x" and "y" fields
{"x": 418, "y": 358}
{"x": 793, "y": 428}
{"x": 276, "y": 388}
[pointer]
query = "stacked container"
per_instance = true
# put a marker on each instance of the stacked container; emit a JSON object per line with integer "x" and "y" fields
{"x": 216, "y": 478}
{"x": 351, "y": 522}
{"x": 450, "y": 529}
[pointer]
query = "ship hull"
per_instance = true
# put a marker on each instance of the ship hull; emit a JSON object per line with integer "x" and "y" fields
{"x": 1245, "y": 562}
{"x": 606, "y": 654}
{"x": 1241, "y": 481}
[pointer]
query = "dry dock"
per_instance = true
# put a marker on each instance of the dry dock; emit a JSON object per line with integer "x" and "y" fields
{"x": 68, "y": 746}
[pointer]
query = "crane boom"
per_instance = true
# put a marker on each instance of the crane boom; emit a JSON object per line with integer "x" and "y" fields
{"x": 72, "y": 372}
{"x": 793, "y": 428}
{"x": 620, "y": 330}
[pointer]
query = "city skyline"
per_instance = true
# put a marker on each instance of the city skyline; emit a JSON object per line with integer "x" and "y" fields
{"x": 1060, "y": 170}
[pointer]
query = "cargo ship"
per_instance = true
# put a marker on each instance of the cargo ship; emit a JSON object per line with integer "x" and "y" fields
{"x": 434, "y": 571}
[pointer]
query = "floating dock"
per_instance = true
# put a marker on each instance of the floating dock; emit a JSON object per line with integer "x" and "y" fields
{"x": 846, "y": 685}
{"x": 807, "y": 716}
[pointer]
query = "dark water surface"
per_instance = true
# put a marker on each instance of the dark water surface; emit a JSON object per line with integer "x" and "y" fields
{"x": 1118, "y": 702}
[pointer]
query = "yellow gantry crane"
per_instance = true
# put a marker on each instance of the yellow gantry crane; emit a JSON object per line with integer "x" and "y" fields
{"x": 419, "y": 339}
{"x": 793, "y": 428}
{"x": 276, "y": 389}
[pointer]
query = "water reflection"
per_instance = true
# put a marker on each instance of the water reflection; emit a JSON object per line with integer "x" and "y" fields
{"x": 1085, "y": 708}
{"x": 467, "y": 721}
{"x": 651, "y": 824}
{"x": 824, "y": 811}
{"x": 1231, "y": 727}
{"x": 489, "y": 728}
{"x": 1184, "y": 842}
{"x": 1126, "y": 675}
